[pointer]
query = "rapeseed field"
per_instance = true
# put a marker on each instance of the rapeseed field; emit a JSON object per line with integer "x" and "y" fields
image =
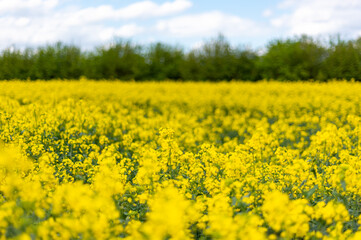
{"x": 107, "y": 160}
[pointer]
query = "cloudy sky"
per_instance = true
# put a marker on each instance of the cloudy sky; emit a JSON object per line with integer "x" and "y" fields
{"x": 90, "y": 23}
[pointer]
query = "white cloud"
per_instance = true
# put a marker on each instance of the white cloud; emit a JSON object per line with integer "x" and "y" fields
{"x": 22, "y": 22}
{"x": 34, "y": 22}
{"x": 267, "y": 13}
{"x": 316, "y": 17}
{"x": 287, "y": 3}
{"x": 26, "y": 32}
{"x": 143, "y": 9}
{"x": 128, "y": 30}
{"x": 197, "y": 45}
{"x": 150, "y": 9}
{"x": 208, "y": 24}
{"x": 14, "y": 6}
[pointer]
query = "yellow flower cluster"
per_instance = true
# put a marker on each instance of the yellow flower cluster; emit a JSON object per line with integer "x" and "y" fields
{"x": 108, "y": 160}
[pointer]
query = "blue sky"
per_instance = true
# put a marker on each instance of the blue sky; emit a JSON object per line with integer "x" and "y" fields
{"x": 188, "y": 23}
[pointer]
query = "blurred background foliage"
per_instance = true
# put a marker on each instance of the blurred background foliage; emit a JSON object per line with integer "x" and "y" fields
{"x": 292, "y": 59}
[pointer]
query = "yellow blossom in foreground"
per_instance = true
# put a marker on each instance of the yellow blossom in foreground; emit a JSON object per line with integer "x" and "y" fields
{"x": 110, "y": 160}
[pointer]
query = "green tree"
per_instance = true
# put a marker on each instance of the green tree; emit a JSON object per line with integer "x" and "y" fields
{"x": 192, "y": 69}
{"x": 247, "y": 68}
{"x": 217, "y": 60}
{"x": 122, "y": 60}
{"x": 344, "y": 60}
{"x": 164, "y": 62}
{"x": 293, "y": 59}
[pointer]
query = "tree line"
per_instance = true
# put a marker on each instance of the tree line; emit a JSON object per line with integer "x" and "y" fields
{"x": 292, "y": 59}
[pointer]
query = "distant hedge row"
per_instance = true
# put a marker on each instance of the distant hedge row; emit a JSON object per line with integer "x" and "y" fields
{"x": 299, "y": 58}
